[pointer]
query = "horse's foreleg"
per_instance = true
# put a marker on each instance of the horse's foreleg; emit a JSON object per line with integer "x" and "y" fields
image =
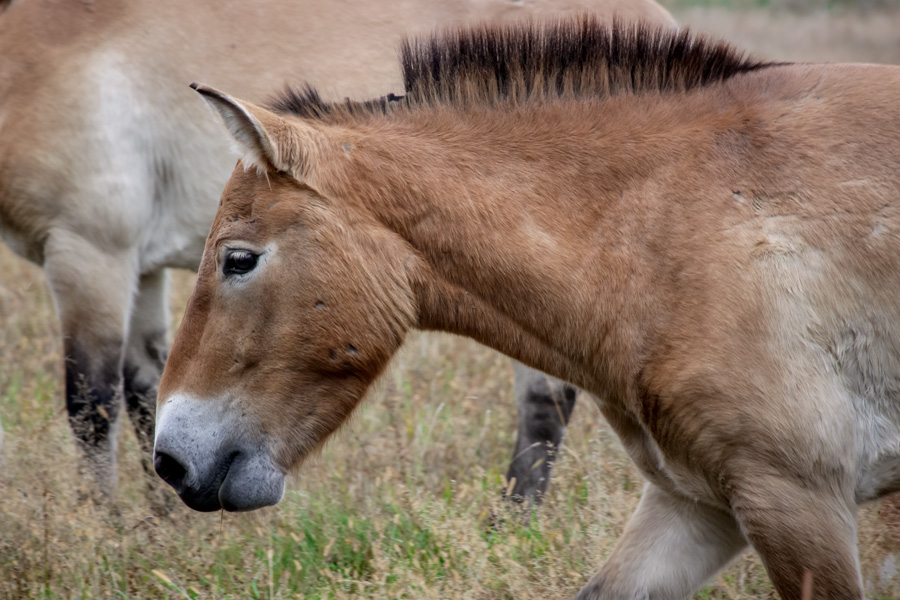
{"x": 145, "y": 357}
{"x": 668, "y": 549}
{"x": 92, "y": 290}
{"x": 801, "y": 530}
{"x": 544, "y": 405}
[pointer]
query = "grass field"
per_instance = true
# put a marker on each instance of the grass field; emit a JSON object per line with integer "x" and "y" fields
{"x": 401, "y": 503}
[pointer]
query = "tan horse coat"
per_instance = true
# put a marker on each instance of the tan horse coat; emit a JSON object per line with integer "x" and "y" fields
{"x": 716, "y": 260}
{"x": 110, "y": 168}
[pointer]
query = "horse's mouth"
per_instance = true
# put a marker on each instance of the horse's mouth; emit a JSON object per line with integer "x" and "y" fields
{"x": 199, "y": 493}
{"x": 199, "y": 453}
{"x": 238, "y": 483}
{"x": 251, "y": 482}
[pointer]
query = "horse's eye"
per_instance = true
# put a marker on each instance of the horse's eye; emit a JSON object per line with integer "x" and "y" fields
{"x": 238, "y": 262}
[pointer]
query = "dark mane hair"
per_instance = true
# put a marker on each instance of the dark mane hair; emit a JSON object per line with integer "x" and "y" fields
{"x": 575, "y": 57}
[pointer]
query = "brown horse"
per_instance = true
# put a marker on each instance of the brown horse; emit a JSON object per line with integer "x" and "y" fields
{"x": 101, "y": 184}
{"x": 707, "y": 243}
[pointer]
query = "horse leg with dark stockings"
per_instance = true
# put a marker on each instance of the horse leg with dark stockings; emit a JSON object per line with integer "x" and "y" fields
{"x": 145, "y": 357}
{"x": 544, "y": 406}
{"x": 93, "y": 291}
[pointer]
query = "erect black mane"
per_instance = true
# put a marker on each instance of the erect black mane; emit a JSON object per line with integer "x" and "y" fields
{"x": 306, "y": 102}
{"x": 573, "y": 57}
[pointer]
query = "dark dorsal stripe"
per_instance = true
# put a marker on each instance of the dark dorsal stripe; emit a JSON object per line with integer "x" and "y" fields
{"x": 574, "y": 57}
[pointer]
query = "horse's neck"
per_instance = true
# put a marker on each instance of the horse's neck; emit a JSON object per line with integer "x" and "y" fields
{"x": 453, "y": 307}
{"x": 522, "y": 239}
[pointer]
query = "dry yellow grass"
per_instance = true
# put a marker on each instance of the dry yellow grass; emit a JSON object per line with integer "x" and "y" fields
{"x": 400, "y": 503}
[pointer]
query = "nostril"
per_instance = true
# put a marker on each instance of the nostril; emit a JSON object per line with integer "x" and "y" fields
{"x": 171, "y": 471}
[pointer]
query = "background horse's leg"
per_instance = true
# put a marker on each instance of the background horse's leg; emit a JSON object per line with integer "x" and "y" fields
{"x": 668, "y": 549}
{"x": 544, "y": 405}
{"x": 145, "y": 357}
{"x": 92, "y": 290}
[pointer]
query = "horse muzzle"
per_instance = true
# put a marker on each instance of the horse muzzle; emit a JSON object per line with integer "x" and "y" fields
{"x": 203, "y": 451}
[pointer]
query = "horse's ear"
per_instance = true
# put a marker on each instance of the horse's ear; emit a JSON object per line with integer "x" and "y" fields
{"x": 265, "y": 139}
